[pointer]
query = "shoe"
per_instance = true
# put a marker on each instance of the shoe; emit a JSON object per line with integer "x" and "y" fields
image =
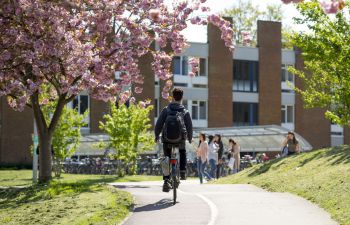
{"x": 166, "y": 186}
{"x": 183, "y": 176}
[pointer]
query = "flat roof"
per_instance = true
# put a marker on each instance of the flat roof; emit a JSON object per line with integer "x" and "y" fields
{"x": 250, "y": 138}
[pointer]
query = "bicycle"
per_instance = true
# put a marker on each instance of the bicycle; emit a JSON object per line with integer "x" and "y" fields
{"x": 174, "y": 172}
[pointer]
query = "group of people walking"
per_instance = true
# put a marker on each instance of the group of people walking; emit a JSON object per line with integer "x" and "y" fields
{"x": 210, "y": 155}
{"x": 175, "y": 125}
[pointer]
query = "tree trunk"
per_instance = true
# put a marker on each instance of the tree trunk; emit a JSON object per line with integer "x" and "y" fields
{"x": 45, "y": 135}
{"x": 45, "y": 158}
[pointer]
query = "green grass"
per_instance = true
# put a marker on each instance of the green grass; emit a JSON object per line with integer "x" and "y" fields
{"x": 24, "y": 177}
{"x": 72, "y": 199}
{"x": 321, "y": 176}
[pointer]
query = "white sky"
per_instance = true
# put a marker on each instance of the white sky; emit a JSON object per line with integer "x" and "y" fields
{"x": 198, "y": 34}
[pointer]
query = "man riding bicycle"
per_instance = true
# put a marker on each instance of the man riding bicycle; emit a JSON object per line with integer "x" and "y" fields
{"x": 175, "y": 124}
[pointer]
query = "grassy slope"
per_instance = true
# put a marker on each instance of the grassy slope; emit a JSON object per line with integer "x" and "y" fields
{"x": 321, "y": 176}
{"x": 73, "y": 199}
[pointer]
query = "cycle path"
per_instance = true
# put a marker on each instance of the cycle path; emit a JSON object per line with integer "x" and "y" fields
{"x": 213, "y": 204}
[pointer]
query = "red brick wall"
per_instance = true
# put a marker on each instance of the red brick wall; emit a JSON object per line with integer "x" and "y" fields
{"x": 220, "y": 79}
{"x": 97, "y": 110}
{"x": 269, "y": 43}
{"x": 310, "y": 123}
{"x": 16, "y": 135}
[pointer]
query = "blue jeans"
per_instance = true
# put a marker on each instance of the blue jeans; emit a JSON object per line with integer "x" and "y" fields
{"x": 212, "y": 163}
{"x": 201, "y": 170}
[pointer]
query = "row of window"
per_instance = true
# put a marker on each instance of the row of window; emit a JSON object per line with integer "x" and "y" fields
{"x": 244, "y": 114}
{"x": 245, "y": 73}
{"x": 197, "y": 109}
{"x": 181, "y": 66}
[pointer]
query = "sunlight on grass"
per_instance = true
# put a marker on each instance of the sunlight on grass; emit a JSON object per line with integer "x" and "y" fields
{"x": 321, "y": 176}
{"x": 24, "y": 177}
{"x": 73, "y": 199}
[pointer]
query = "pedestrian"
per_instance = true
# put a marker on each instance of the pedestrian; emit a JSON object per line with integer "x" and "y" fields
{"x": 212, "y": 156}
{"x": 236, "y": 154}
{"x": 202, "y": 157}
{"x": 291, "y": 143}
{"x": 217, "y": 139}
{"x": 265, "y": 157}
{"x": 175, "y": 124}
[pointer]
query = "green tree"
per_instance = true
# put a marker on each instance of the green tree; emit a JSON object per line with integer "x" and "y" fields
{"x": 245, "y": 16}
{"x": 128, "y": 130}
{"x": 326, "y": 51}
{"x": 66, "y": 137}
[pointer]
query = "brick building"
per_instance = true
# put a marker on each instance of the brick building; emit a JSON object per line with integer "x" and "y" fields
{"x": 246, "y": 88}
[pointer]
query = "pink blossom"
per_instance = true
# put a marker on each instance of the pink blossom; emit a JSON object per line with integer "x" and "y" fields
{"x": 75, "y": 60}
{"x": 138, "y": 90}
{"x": 165, "y": 94}
{"x": 194, "y": 64}
{"x": 132, "y": 100}
{"x": 44, "y": 101}
{"x": 142, "y": 104}
{"x": 332, "y": 7}
{"x": 154, "y": 14}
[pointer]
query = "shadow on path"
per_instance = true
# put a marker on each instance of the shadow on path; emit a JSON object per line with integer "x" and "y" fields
{"x": 161, "y": 204}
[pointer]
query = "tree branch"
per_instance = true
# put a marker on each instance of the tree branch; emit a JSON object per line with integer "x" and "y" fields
{"x": 38, "y": 114}
{"x": 56, "y": 115}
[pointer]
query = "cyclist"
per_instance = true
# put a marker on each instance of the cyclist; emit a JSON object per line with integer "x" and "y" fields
{"x": 175, "y": 124}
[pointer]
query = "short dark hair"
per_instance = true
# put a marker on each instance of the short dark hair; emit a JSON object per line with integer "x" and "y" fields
{"x": 177, "y": 94}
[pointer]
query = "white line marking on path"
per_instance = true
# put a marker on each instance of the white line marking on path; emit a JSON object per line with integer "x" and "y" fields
{"x": 212, "y": 206}
{"x": 213, "y": 209}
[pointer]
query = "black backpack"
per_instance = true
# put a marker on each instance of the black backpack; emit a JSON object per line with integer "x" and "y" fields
{"x": 174, "y": 129}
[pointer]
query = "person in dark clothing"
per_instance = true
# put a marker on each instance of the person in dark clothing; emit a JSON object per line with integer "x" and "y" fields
{"x": 217, "y": 139}
{"x": 175, "y": 106}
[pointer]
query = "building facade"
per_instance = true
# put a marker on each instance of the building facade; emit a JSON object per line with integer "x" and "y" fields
{"x": 249, "y": 87}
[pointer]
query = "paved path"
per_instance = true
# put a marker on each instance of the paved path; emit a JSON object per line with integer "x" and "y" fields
{"x": 219, "y": 205}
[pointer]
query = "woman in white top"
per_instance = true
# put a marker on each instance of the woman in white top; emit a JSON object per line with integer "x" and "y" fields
{"x": 202, "y": 157}
{"x": 236, "y": 154}
{"x": 212, "y": 156}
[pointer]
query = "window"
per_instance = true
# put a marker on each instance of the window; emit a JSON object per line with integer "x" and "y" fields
{"x": 177, "y": 65}
{"x": 287, "y": 113}
{"x": 81, "y": 104}
{"x": 184, "y": 65}
{"x": 181, "y": 66}
{"x": 286, "y": 75}
{"x": 202, "y": 67}
{"x": 245, "y": 114}
{"x": 180, "y": 84}
{"x": 200, "y": 86}
{"x": 245, "y": 76}
{"x": 199, "y": 110}
{"x": 202, "y": 110}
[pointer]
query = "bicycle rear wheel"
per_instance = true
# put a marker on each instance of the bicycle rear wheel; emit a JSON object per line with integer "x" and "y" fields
{"x": 174, "y": 189}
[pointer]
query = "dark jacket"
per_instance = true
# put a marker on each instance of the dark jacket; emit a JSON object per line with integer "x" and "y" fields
{"x": 174, "y": 106}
